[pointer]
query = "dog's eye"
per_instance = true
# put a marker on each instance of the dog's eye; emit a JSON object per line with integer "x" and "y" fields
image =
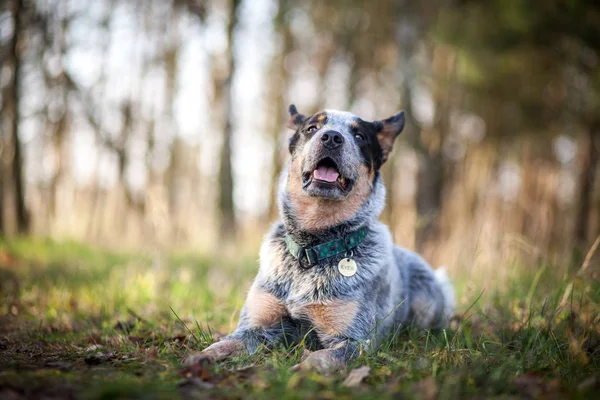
{"x": 311, "y": 129}
{"x": 359, "y": 136}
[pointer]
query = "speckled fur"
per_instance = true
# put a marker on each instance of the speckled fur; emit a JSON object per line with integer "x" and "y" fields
{"x": 339, "y": 316}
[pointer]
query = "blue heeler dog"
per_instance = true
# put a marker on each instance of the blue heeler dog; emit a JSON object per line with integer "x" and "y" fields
{"x": 329, "y": 271}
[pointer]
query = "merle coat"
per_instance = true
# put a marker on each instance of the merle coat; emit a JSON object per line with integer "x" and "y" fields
{"x": 338, "y": 316}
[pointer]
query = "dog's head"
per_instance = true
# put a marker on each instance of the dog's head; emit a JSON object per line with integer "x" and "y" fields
{"x": 335, "y": 161}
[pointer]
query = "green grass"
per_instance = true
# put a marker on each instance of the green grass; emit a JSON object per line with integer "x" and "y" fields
{"x": 89, "y": 323}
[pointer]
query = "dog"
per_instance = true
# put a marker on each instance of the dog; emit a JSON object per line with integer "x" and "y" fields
{"x": 330, "y": 275}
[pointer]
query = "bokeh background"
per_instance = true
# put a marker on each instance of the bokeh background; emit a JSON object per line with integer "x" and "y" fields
{"x": 161, "y": 125}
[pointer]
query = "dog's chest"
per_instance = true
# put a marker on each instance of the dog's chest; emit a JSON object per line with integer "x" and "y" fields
{"x": 320, "y": 284}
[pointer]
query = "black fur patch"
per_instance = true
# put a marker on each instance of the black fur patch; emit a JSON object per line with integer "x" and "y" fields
{"x": 369, "y": 147}
{"x": 303, "y": 124}
{"x": 293, "y": 142}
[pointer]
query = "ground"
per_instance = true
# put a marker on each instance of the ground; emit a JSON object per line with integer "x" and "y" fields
{"x": 79, "y": 322}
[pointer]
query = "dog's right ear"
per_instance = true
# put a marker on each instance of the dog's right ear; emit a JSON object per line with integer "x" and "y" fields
{"x": 389, "y": 129}
{"x": 296, "y": 119}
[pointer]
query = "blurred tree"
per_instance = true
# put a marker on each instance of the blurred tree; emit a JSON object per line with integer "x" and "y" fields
{"x": 587, "y": 183}
{"x": 223, "y": 71}
{"x": 536, "y": 65}
{"x": 426, "y": 63}
{"x": 12, "y": 197}
{"x": 170, "y": 59}
{"x": 56, "y": 113}
{"x": 278, "y": 96}
{"x": 526, "y": 71}
{"x": 434, "y": 169}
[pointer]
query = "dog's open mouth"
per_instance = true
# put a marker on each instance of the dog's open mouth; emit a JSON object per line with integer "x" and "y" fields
{"x": 326, "y": 174}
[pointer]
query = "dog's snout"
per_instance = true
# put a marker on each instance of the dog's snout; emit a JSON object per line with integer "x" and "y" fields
{"x": 332, "y": 139}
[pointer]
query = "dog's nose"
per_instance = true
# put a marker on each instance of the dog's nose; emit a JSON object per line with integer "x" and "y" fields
{"x": 332, "y": 139}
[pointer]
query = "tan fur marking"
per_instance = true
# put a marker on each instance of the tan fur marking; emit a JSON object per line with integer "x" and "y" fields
{"x": 263, "y": 308}
{"x": 333, "y": 318}
{"x": 321, "y": 118}
{"x": 354, "y": 124}
{"x": 386, "y": 141}
{"x": 315, "y": 214}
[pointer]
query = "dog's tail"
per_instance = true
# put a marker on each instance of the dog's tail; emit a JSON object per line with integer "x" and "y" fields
{"x": 447, "y": 292}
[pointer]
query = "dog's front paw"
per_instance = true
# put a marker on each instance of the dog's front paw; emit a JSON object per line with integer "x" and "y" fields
{"x": 323, "y": 361}
{"x": 216, "y": 351}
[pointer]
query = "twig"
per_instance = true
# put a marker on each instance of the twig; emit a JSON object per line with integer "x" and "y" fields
{"x": 586, "y": 263}
{"x": 102, "y": 135}
{"x": 588, "y": 256}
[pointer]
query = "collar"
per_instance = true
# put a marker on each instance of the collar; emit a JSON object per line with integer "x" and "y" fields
{"x": 314, "y": 254}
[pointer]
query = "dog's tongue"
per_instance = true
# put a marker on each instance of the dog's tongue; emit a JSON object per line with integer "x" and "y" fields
{"x": 326, "y": 174}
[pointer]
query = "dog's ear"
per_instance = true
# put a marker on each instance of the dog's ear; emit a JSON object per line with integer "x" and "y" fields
{"x": 388, "y": 131}
{"x": 296, "y": 119}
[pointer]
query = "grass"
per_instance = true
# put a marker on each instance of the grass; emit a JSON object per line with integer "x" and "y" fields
{"x": 79, "y": 322}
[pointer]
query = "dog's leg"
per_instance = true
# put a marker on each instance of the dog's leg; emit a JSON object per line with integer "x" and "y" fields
{"x": 246, "y": 340}
{"x": 263, "y": 321}
{"x": 343, "y": 330}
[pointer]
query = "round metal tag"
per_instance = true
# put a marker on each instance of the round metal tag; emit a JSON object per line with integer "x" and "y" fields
{"x": 347, "y": 267}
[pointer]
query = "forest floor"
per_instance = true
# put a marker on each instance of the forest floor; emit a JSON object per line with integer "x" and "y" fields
{"x": 78, "y": 322}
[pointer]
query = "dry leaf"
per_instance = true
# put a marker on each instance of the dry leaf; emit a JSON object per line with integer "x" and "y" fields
{"x": 197, "y": 370}
{"x": 426, "y": 389}
{"x": 356, "y": 376}
{"x": 60, "y": 365}
{"x": 99, "y": 357}
{"x": 589, "y": 383}
{"x": 10, "y": 394}
{"x": 533, "y": 384}
{"x": 125, "y": 326}
{"x": 94, "y": 347}
{"x": 151, "y": 353}
{"x": 195, "y": 383}
{"x": 135, "y": 339}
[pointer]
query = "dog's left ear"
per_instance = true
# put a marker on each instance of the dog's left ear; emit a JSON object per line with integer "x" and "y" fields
{"x": 296, "y": 119}
{"x": 389, "y": 129}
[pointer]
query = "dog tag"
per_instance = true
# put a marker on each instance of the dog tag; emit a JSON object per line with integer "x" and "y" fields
{"x": 347, "y": 266}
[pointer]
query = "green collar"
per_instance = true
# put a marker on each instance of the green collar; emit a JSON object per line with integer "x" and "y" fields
{"x": 314, "y": 254}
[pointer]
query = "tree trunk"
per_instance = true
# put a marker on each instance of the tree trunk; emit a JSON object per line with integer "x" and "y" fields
{"x": 227, "y": 227}
{"x": 171, "y": 61}
{"x": 431, "y": 175}
{"x": 132, "y": 201}
{"x": 429, "y": 198}
{"x": 278, "y": 98}
{"x": 13, "y": 187}
{"x": 58, "y": 130}
{"x": 587, "y": 181}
